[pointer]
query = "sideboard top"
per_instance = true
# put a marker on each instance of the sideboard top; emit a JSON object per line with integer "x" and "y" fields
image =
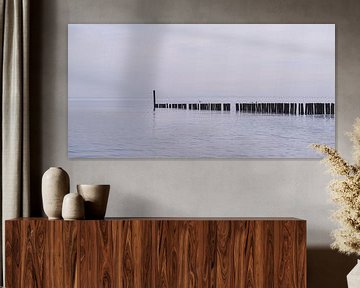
{"x": 173, "y": 219}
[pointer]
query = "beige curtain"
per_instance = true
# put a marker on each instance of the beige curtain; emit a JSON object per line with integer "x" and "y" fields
{"x": 14, "y": 25}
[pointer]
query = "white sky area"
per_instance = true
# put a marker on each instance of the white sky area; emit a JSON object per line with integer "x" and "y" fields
{"x": 195, "y": 62}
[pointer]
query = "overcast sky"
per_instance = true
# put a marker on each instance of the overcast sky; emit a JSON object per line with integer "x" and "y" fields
{"x": 198, "y": 62}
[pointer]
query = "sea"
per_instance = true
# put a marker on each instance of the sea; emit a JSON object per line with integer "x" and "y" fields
{"x": 131, "y": 129}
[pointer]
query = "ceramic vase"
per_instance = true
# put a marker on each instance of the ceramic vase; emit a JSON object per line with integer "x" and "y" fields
{"x": 55, "y": 185}
{"x": 73, "y": 207}
{"x": 353, "y": 278}
{"x": 96, "y": 198}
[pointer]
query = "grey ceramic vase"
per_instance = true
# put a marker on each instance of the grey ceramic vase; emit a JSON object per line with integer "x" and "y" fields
{"x": 55, "y": 185}
{"x": 73, "y": 207}
{"x": 96, "y": 198}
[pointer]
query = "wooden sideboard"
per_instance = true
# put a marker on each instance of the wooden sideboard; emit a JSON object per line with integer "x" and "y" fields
{"x": 156, "y": 252}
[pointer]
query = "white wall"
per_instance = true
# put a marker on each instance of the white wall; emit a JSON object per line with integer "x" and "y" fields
{"x": 192, "y": 187}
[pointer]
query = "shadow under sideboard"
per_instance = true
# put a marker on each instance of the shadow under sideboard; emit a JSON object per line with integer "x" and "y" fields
{"x": 328, "y": 268}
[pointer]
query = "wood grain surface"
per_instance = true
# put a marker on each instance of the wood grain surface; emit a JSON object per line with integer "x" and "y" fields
{"x": 159, "y": 252}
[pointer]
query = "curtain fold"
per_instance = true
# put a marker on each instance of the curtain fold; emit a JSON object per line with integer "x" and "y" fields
{"x": 15, "y": 163}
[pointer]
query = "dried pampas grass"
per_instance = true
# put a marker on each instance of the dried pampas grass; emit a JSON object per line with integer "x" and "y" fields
{"x": 345, "y": 192}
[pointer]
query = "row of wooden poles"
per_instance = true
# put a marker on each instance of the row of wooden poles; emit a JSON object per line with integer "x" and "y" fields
{"x": 261, "y": 108}
{"x": 196, "y": 106}
{"x": 287, "y": 108}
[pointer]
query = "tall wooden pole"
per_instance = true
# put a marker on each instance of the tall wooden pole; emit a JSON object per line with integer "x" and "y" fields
{"x": 154, "y": 99}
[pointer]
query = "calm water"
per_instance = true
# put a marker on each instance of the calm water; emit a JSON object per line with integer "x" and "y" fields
{"x": 110, "y": 131}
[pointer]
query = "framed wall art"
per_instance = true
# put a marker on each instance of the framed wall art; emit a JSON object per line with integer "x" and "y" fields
{"x": 200, "y": 90}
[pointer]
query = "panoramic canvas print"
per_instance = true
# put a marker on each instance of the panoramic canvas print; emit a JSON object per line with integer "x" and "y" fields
{"x": 200, "y": 90}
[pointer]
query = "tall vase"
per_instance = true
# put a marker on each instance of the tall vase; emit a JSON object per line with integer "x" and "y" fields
{"x": 353, "y": 278}
{"x": 55, "y": 185}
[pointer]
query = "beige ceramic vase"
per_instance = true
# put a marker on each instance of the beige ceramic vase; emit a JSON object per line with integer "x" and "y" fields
{"x": 353, "y": 278}
{"x": 96, "y": 198}
{"x": 73, "y": 207}
{"x": 55, "y": 185}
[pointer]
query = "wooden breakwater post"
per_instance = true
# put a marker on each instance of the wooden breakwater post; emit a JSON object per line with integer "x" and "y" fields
{"x": 327, "y": 108}
{"x": 204, "y": 106}
{"x": 301, "y": 109}
{"x": 193, "y": 106}
{"x": 226, "y": 106}
{"x": 215, "y": 106}
{"x": 154, "y": 98}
